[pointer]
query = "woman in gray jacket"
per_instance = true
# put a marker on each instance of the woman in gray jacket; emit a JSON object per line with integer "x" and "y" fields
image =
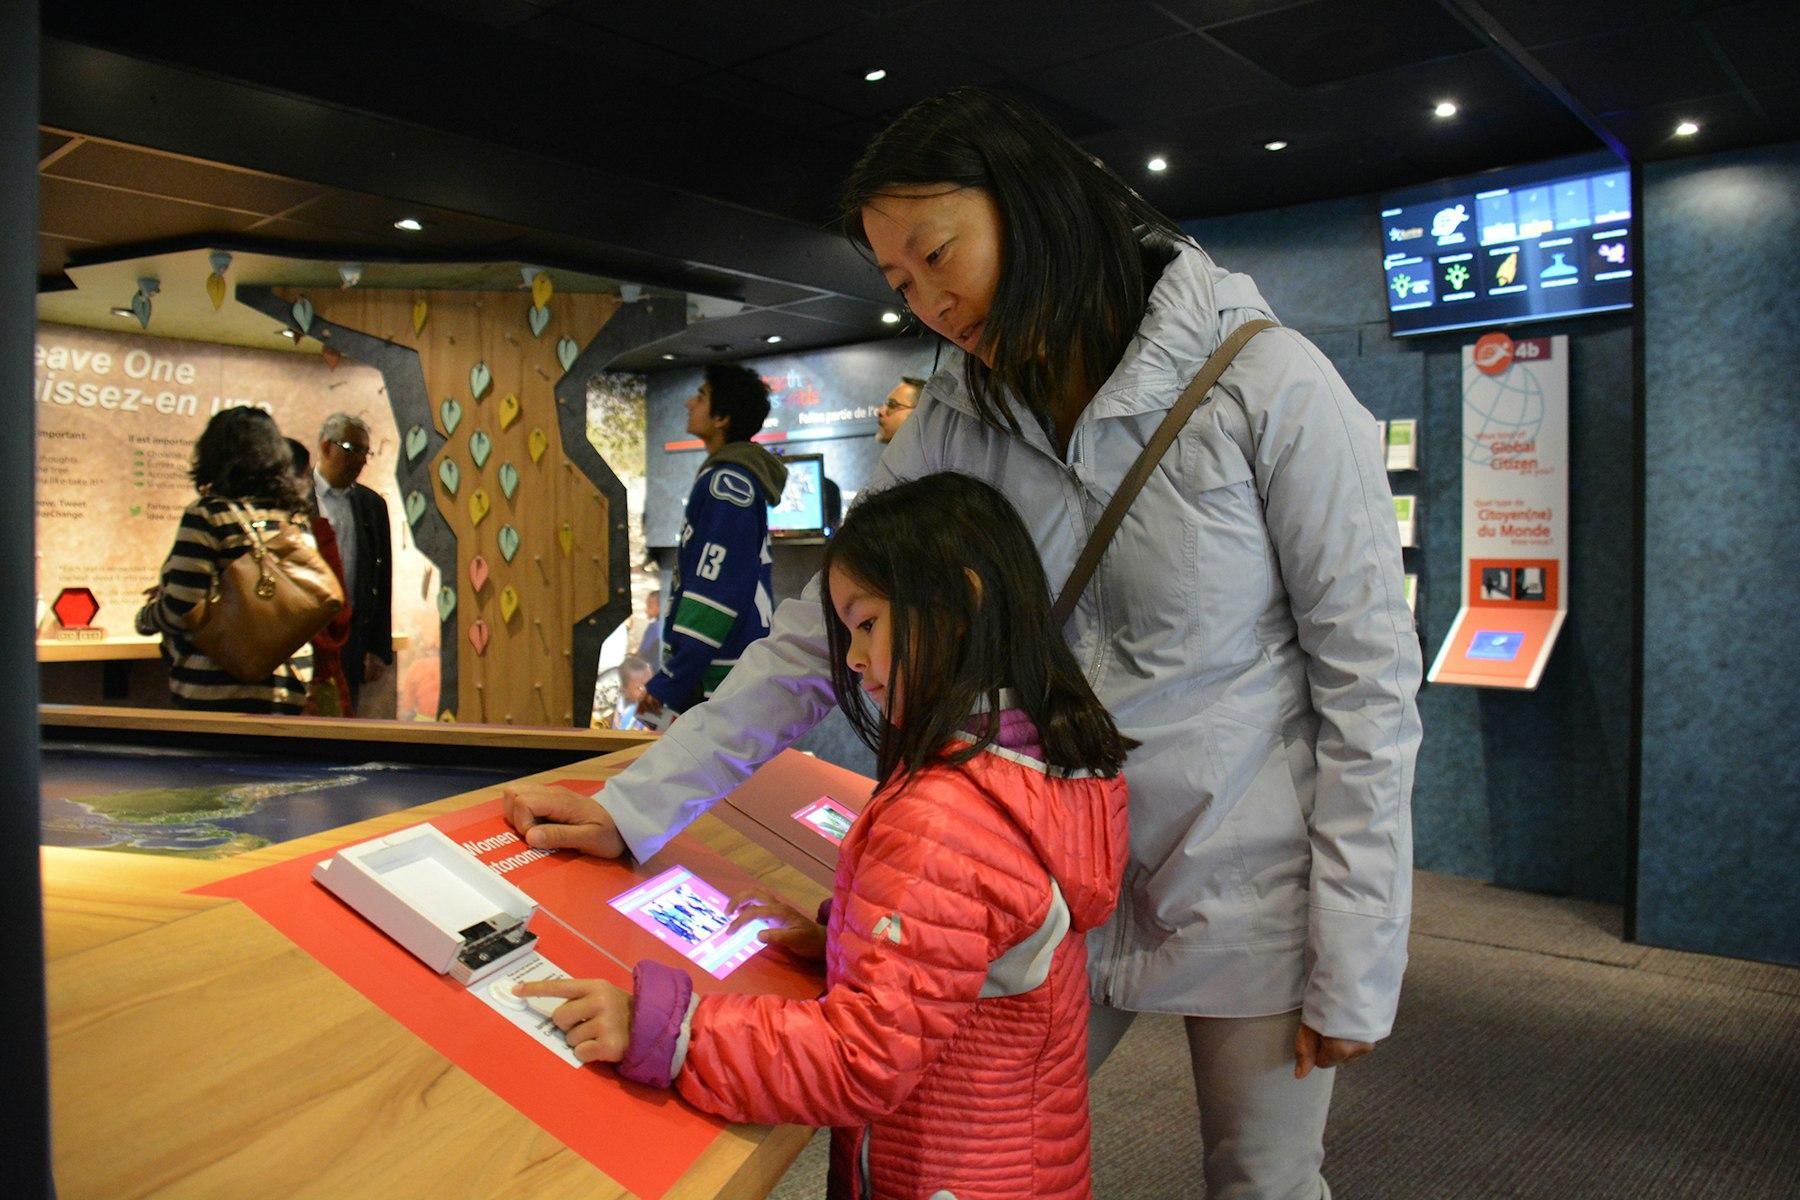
{"x": 1247, "y": 624}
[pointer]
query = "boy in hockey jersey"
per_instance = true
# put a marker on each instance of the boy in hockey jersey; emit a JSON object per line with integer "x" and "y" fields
{"x": 721, "y": 600}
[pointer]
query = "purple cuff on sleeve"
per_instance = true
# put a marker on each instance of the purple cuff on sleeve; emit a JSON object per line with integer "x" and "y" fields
{"x": 824, "y": 917}
{"x": 657, "y": 1014}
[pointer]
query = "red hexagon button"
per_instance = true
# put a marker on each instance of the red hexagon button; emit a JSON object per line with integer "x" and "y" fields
{"x": 75, "y": 608}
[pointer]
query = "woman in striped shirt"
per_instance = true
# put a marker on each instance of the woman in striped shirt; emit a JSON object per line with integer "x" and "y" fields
{"x": 242, "y": 467}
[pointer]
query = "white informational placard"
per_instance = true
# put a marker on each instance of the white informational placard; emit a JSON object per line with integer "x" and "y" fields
{"x": 1515, "y": 513}
{"x": 1402, "y": 443}
{"x": 1406, "y": 515}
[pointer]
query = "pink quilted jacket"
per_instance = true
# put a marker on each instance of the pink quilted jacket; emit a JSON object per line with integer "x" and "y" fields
{"x": 949, "y": 1051}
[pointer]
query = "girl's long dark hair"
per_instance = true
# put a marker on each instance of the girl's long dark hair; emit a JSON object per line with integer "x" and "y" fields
{"x": 957, "y": 641}
{"x": 241, "y": 455}
{"x": 1072, "y": 287}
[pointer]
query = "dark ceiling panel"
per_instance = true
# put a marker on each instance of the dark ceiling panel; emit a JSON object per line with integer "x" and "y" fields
{"x": 1544, "y": 22}
{"x": 1028, "y": 35}
{"x": 1759, "y": 40}
{"x": 182, "y": 179}
{"x": 776, "y": 103}
{"x": 1653, "y": 64}
{"x": 109, "y": 217}
{"x": 1160, "y": 86}
{"x": 830, "y": 67}
{"x": 1340, "y": 39}
{"x": 720, "y": 34}
{"x": 611, "y": 51}
{"x": 499, "y": 14}
{"x": 1200, "y": 14}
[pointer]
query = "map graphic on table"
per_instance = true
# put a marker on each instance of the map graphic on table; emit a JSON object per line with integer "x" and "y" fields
{"x": 643, "y": 1138}
{"x": 208, "y": 806}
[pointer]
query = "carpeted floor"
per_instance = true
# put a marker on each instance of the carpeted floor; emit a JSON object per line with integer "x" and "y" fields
{"x": 1536, "y": 1057}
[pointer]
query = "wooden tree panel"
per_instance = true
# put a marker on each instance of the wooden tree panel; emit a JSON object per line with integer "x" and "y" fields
{"x": 524, "y": 677}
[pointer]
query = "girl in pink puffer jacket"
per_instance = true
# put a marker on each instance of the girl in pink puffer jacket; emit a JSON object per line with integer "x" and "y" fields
{"x": 949, "y": 1051}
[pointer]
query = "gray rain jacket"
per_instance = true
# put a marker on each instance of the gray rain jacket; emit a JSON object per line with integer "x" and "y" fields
{"x": 1248, "y": 625}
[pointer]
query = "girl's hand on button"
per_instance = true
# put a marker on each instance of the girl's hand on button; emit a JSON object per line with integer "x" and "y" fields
{"x": 595, "y": 1016}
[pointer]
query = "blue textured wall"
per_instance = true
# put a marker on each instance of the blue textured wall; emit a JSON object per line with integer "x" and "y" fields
{"x": 1525, "y": 789}
{"x": 1720, "y": 807}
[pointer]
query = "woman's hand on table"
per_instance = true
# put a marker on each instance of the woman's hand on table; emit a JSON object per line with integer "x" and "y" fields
{"x": 1314, "y": 1049}
{"x": 555, "y": 818}
{"x": 789, "y": 928}
{"x": 595, "y": 1016}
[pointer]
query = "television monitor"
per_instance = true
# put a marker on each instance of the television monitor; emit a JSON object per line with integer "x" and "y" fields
{"x": 1519, "y": 244}
{"x": 801, "y": 510}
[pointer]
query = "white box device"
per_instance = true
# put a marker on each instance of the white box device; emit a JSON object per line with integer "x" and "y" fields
{"x": 437, "y": 900}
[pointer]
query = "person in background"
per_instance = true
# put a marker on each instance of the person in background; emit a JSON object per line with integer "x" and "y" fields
{"x": 650, "y": 645}
{"x": 900, "y": 405}
{"x": 244, "y": 473}
{"x": 329, "y": 693}
{"x": 359, "y": 518}
{"x": 722, "y": 597}
{"x": 949, "y": 1051}
{"x": 1248, "y": 624}
{"x": 634, "y": 673}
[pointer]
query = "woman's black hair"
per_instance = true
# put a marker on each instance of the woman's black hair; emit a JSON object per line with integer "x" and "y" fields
{"x": 1072, "y": 286}
{"x": 969, "y": 614}
{"x": 303, "y": 474}
{"x": 241, "y": 455}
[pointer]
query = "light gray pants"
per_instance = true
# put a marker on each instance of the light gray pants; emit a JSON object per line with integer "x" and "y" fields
{"x": 1262, "y": 1131}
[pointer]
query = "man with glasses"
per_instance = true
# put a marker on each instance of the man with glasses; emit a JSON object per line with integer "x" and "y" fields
{"x": 359, "y": 518}
{"x": 900, "y": 404}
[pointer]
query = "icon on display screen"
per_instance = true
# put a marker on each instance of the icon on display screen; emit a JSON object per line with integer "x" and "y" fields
{"x": 1609, "y": 255}
{"x": 1409, "y": 283}
{"x": 826, "y": 817}
{"x": 1446, "y": 225}
{"x": 1558, "y": 268}
{"x": 689, "y": 914}
{"x": 1456, "y": 277}
{"x": 1496, "y": 646}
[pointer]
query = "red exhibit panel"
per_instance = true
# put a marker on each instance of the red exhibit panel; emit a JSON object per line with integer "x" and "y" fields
{"x": 1491, "y": 646}
{"x": 643, "y": 1138}
{"x": 798, "y": 809}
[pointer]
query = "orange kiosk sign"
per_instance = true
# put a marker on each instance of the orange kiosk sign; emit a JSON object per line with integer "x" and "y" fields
{"x": 1515, "y": 513}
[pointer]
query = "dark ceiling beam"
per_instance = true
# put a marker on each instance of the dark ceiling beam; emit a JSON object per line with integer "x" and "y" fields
{"x": 639, "y": 231}
{"x": 1488, "y": 28}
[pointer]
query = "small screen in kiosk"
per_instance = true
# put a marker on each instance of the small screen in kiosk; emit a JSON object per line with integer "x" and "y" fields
{"x": 826, "y": 817}
{"x": 801, "y": 509}
{"x": 1495, "y": 646}
{"x": 686, "y": 912}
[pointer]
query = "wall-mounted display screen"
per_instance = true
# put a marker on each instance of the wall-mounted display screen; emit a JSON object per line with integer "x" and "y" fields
{"x": 802, "y": 507}
{"x": 1521, "y": 244}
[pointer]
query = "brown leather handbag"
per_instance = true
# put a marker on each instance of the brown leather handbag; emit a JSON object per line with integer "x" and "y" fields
{"x": 267, "y": 603}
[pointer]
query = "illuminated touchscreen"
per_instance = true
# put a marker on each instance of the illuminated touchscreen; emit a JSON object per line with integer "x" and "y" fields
{"x": 1492, "y": 644}
{"x": 827, "y": 818}
{"x": 686, "y": 912}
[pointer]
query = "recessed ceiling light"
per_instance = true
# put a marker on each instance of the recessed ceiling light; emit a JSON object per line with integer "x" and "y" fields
{"x": 123, "y": 312}
{"x": 1445, "y": 109}
{"x": 668, "y": 358}
{"x": 410, "y": 224}
{"x": 772, "y": 338}
{"x": 890, "y": 317}
{"x": 875, "y": 76}
{"x": 1686, "y": 129}
{"x": 1158, "y": 164}
{"x": 1277, "y": 144}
